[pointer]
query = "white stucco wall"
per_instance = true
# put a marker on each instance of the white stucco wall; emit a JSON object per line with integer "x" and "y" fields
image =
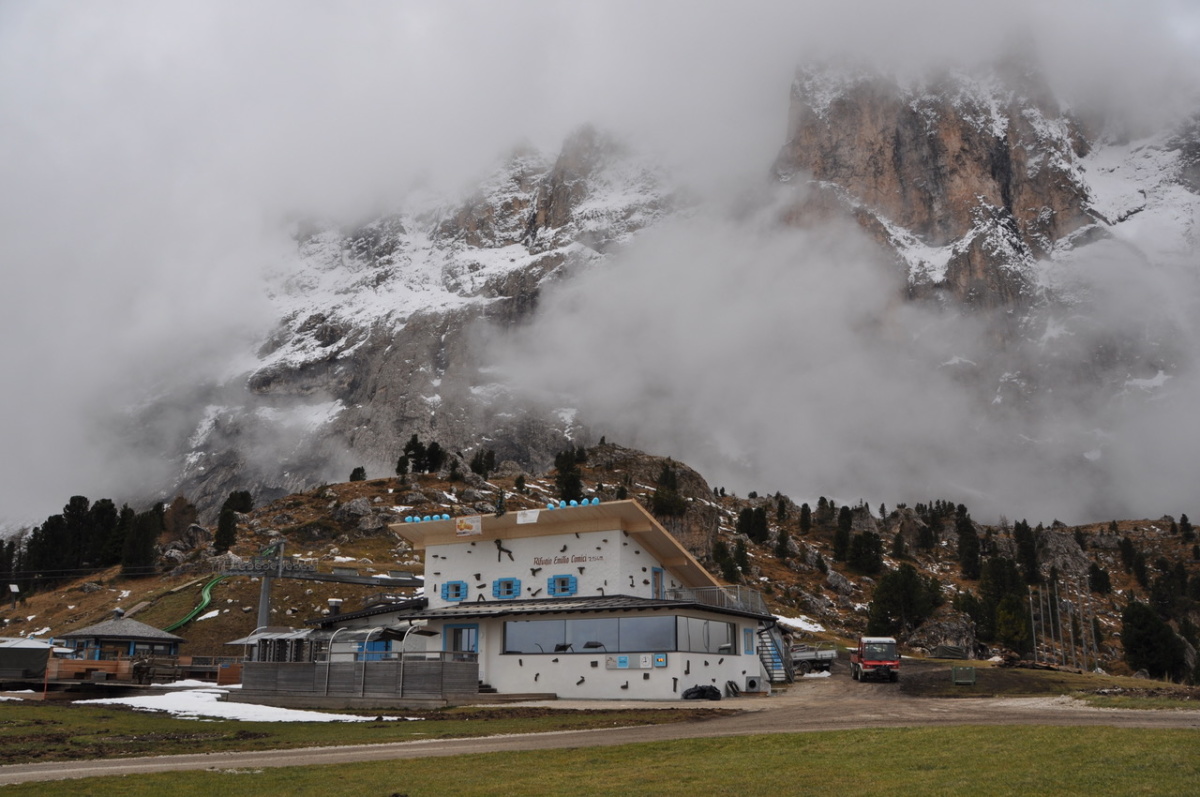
{"x": 602, "y": 562}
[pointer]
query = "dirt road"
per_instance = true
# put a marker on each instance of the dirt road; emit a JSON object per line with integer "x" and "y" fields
{"x": 813, "y": 704}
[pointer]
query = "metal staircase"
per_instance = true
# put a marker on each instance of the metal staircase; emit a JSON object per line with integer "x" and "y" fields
{"x": 777, "y": 662}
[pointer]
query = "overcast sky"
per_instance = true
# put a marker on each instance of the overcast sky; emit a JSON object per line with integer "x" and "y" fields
{"x": 151, "y": 150}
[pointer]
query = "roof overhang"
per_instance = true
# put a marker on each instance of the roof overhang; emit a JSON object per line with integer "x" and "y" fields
{"x": 608, "y": 604}
{"x": 626, "y": 516}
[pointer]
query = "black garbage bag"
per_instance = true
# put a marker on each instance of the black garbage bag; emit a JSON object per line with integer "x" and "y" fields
{"x": 702, "y": 693}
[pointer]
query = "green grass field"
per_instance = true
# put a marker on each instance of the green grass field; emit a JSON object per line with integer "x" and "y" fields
{"x": 47, "y": 732}
{"x": 959, "y": 761}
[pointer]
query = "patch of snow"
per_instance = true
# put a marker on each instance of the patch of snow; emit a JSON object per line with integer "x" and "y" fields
{"x": 209, "y": 615}
{"x": 1158, "y": 380}
{"x": 821, "y": 674}
{"x": 207, "y": 421}
{"x": 206, "y": 702}
{"x": 803, "y": 622}
{"x": 186, "y": 683}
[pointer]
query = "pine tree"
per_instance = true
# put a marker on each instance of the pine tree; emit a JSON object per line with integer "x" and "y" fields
{"x": 866, "y": 553}
{"x": 841, "y": 538}
{"x": 1012, "y": 624}
{"x": 723, "y": 559}
{"x": 1149, "y": 642}
{"x": 968, "y": 545}
{"x": 519, "y": 483}
{"x": 435, "y": 457}
{"x": 903, "y": 601}
{"x": 805, "y": 519}
{"x": 926, "y": 538}
{"x": 226, "y": 534}
{"x": 1139, "y": 569}
{"x": 402, "y": 466}
{"x": 137, "y": 558}
{"x": 179, "y": 516}
{"x": 359, "y": 474}
{"x": 568, "y": 479}
{"x": 1128, "y": 553}
{"x": 114, "y": 546}
{"x": 666, "y": 501}
{"x": 103, "y": 520}
{"x": 824, "y": 514}
{"x": 240, "y": 501}
{"x": 1027, "y": 551}
{"x": 782, "y": 548}
{"x": 740, "y": 557}
{"x": 1185, "y": 528}
{"x": 414, "y": 452}
{"x": 1098, "y": 580}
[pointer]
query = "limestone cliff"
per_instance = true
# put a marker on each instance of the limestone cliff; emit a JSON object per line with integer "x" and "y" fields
{"x": 969, "y": 179}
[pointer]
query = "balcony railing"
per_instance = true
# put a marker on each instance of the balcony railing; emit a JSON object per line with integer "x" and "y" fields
{"x": 740, "y": 598}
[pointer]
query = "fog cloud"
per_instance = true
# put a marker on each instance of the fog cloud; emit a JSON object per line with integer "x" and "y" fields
{"x": 776, "y": 359}
{"x": 152, "y": 152}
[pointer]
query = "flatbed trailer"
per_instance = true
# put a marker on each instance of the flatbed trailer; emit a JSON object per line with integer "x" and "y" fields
{"x": 810, "y": 658}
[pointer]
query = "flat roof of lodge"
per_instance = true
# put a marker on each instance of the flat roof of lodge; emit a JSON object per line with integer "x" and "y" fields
{"x": 629, "y": 517}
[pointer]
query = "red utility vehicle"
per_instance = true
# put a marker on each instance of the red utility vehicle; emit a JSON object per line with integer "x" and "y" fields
{"x": 875, "y": 656}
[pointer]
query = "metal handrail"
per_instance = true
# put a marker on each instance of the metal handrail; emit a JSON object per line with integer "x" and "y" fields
{"x": 741, "y": 598}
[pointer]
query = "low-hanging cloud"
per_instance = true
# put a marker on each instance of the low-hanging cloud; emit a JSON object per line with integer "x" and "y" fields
{"x": 779, "y": 359}
{"x": 155, "y": 151}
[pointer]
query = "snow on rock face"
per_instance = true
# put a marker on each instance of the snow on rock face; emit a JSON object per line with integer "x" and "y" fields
{"x": 969, "y": 178}
{"x": 374, "y": 337}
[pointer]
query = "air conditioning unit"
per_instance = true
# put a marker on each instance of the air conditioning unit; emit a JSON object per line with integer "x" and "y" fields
{"x": 756, "y": 683}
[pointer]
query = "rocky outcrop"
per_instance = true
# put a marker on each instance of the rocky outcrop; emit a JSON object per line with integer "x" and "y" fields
{"x": 947, "y": 627}
{"x": 968, "y": 178}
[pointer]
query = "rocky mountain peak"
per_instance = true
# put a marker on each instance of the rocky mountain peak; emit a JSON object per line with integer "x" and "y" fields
{"x": 969, "y": 177}
{"x": 376, "y": 320}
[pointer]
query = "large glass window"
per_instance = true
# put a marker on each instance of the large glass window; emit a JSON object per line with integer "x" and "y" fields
{"x": 647, "y": 633}
{"x": 705, "y": 636}
{"x": 534, "y": 636}
{"x": 604, "y": 630}
{"x": 616, "y": 635}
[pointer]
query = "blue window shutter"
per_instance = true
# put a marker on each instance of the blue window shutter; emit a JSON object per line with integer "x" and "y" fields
{"x": 496, "y": 588}
{"x": 446, "y": 591}
{"x": 572, "y": 585}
